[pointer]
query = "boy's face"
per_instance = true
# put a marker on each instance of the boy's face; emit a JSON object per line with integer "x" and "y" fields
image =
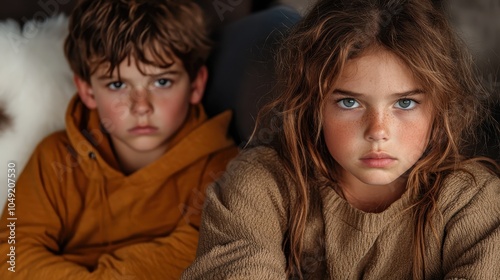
{"x": 142, "y": 111}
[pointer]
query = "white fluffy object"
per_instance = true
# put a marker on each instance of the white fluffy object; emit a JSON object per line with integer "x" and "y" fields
{"x": 35, "y": 88}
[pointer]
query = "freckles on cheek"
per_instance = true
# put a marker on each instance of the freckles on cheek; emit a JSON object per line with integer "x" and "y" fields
{"x": 343, "y": 131}
{"x": 416, "y": 135}
{"x": 168, "y": 108}
{"x": 341, "y": 134}
{"x": 113, "y": 110}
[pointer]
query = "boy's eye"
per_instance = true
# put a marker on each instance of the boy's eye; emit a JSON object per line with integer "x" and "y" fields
{"x": 116, "y": 85}
{"x": 163, "y": 83}
{"x": 348, "y": 103}
{"x": 406, "y": 104}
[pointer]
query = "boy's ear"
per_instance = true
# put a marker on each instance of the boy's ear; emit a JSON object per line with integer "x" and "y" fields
{"x": 85, "y": 92}
{"x": 198, "y": 85}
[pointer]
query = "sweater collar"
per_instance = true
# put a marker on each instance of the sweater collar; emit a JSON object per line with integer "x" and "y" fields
{"x": 360, "y": 220}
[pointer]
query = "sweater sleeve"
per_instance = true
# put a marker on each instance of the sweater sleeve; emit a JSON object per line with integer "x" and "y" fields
{"x": 243, "y": 224}
{"x": 471, "y": 248}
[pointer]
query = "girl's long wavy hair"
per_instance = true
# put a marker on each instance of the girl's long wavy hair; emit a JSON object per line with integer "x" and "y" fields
{"x": 310, "y": 60}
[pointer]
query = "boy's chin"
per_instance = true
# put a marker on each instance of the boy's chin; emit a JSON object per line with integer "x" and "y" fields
{"x": 147, "y": 145}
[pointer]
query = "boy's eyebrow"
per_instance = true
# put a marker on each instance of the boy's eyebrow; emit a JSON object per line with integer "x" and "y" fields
{"x": 399, "y": 94}
{"x": 167, "y": 72}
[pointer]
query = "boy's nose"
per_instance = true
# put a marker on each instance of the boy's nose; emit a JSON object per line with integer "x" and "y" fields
{"x": 141, "y": 103}
{"x": 377, "y": 127}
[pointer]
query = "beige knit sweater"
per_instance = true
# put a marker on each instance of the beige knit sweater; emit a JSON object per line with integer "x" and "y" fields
{"x": 247, "y": 211}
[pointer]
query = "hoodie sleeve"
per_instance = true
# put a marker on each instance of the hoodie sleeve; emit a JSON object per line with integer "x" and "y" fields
{"x": 167, "y": 257}
{"x": 39, "y": 228}
{"x": 32, "y": 250}
{"x": 162, "y": 258}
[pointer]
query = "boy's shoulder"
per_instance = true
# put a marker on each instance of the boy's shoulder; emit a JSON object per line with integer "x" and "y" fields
{"x": 52, "y": 157}
{"x": 54, "y": 144}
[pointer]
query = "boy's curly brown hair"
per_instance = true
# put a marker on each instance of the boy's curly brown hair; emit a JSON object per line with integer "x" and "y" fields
{"x": 106, "y": 32}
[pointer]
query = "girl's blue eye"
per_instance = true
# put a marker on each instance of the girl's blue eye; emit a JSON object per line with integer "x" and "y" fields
{"x": 116, "y": 85}
{"x": 406, "y": 104}
{"x": 163, "y": 83}
{"x": 348, "y": 103}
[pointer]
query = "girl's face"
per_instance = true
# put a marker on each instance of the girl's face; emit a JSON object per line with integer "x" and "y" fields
{"x": 378, "y": 120}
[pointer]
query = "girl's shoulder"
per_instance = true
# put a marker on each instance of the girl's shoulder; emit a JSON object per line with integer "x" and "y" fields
{"x": 254, "y": 182}
{"x": 471, "y": 186}
{"x": 254, "y": 171}
{"x": 472, "y": 176}
{"x": 258, "y": 159}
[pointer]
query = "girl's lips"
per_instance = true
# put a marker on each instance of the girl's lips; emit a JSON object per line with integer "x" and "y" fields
{"x": 142, "y": 130}
{"x": 377, "y": 160}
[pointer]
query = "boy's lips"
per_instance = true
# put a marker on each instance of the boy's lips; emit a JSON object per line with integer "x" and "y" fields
{"x": 377, "y": 159}
{"x": 141, "y": 130}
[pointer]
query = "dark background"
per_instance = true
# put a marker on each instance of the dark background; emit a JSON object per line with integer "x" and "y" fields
{"x": 231, "y": 10}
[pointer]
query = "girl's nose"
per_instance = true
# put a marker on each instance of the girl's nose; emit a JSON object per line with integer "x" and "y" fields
{"x": 377, "y": 129}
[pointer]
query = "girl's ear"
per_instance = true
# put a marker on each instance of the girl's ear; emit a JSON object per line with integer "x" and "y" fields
{"x": 198, "y": 85}
{"x": 85, "y": 92}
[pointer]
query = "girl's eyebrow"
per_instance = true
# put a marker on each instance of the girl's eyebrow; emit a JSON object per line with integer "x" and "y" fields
{"x": 397, "y": 94}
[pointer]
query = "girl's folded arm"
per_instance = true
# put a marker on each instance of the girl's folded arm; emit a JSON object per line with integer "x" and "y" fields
{"x": 243, "y": 225}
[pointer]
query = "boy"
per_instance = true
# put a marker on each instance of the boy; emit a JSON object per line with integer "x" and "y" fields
{"x": 118, "y": 195}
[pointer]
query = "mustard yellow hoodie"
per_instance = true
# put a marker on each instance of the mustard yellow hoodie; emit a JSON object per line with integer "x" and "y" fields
{"x": 79, "y": 217}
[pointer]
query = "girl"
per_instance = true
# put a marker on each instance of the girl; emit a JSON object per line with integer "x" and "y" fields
{"x": 367, "y": 175}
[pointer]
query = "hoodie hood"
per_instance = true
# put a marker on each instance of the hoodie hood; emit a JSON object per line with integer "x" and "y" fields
{"x": 91, "y": 143}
